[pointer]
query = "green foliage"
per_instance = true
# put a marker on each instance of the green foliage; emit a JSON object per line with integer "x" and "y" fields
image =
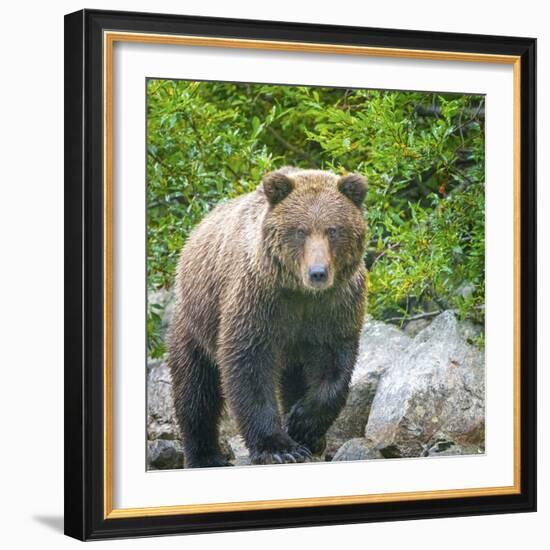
{"x": 422, "y": 153}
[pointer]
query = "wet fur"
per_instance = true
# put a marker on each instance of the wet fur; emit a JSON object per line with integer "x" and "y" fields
{"x": 247, "y": 331}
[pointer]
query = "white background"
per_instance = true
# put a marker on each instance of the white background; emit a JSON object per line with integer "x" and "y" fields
{"x": 32, "y": 279}
{"x": 133, "y": 487}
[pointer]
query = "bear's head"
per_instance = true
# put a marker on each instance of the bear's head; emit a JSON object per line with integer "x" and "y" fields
{"x": 314, "y": 228}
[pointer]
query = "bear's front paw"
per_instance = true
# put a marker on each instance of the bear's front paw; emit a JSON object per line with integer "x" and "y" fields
{"x": 279, "y": 449}
{"x": 301, "y": 427}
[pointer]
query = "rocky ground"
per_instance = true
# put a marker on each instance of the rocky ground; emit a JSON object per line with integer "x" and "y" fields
{"x": 415, "y": 392}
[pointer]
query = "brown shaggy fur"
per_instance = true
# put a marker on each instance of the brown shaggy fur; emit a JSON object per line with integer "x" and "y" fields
{"x": 270, "y": 293}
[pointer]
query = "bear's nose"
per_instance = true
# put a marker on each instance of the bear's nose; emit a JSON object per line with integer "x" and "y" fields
{"x": 318, "y": 274}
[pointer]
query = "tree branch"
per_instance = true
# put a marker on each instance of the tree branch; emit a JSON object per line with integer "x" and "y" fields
{"x": 296, "y": 150}
{"x": 384, "y": 252}
{"x": 414, "y": 317}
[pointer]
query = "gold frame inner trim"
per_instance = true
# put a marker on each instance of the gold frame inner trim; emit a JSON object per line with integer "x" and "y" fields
{"x": 109, "y": 39}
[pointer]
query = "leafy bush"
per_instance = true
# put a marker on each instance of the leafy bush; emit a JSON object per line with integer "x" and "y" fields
{"x": 423, "y": 155}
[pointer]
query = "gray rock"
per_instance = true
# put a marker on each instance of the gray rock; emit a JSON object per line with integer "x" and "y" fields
{"x": 161, "y": 423}
{"x": 412, "y": 328}
{"x": 239, "y": 450}
{"x": 380, "y": 347}
{"x": 356, "y": 449}
{"x": 164, "y": 454}
{"x": 162, "y": 301}
{"x": 352, "y": 419}
{"x": 435, "y": 391}
{"x": 449, "y": 448}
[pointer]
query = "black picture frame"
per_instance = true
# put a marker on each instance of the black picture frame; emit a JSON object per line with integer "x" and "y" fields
{"x": 84, "y": 282}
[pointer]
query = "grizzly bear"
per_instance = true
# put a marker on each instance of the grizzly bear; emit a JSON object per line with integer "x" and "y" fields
{"x": 269, "y": 304}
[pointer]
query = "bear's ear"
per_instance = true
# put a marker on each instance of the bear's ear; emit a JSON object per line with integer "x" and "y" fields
{"x": 354, "y": 187}
{"x": 277, "y": 186}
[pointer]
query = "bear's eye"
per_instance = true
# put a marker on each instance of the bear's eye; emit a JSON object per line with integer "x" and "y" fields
{"x": 332, "y": 232}
{"x": 300, "y": 233}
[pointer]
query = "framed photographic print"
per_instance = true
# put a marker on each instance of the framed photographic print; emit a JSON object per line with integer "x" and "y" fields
{"x": 300, "y": 274}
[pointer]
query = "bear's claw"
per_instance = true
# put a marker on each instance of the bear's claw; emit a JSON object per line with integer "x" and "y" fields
{"x": 299, "y": 454}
